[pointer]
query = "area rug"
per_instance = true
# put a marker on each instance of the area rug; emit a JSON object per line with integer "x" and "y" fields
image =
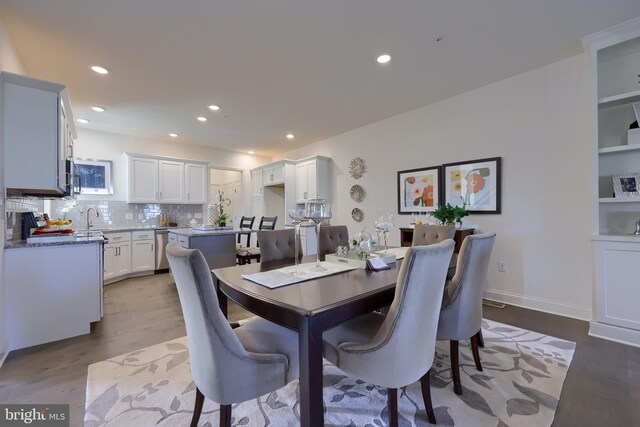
{"x": 520, "y": 386}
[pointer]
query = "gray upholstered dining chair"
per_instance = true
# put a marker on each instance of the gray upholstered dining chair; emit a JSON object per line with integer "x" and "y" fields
{"x": 332, "y": 236}
{"x": 278, "y": 244}
{"x": 397, "y": 349}
{"x": 227, "y": 365}
{"x": 461, "y": 314}
{"x": 429, "y": 234}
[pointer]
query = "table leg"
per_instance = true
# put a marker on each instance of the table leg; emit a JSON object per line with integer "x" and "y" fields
{"x": 222, "y": 298}
{"x": 311, "y": 403}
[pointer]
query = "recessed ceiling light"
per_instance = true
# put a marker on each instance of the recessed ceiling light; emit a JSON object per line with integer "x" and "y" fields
{"x": 83, "y": 121}
{"x": 214, "y": 107}
{"x": 202, "y": 119}
{"x": 99, "y": 109}
{"x": 290, "y": 136}
{"x": 438, "y": 39}
{"x": 251, "y": 152}
{"x": 173, "y": 135}
{"x": 383, "y": 59}
{"x": 100, "y": 70}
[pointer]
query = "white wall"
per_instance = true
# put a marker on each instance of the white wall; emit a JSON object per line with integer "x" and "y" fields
{"x": 538, "y": 123}
{"x": 9, "y": 61}
{"x": 109, "y": 146}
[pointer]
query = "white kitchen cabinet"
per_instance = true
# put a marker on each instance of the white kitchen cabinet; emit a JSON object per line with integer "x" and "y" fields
{"x": 170, "y": 181}
{"x": 143, "y": 251}
{"x": 154, "y": 179}
{"x": 256, "y": 183}
{"x": 52, "y": 301}
{"x": 196, "y": 183}
{"x": 143, "y": 180}
{"x": 312, "y": 179}
{"x": 273, "y": 174}
{"x": 37, "y": 130}
{"x": 117, "y": 256}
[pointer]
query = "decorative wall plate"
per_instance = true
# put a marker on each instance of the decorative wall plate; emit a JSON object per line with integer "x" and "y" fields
{"x": 357, "y": 215}
{"x": 357, "y": 193}
{"x": 357, "y": 168}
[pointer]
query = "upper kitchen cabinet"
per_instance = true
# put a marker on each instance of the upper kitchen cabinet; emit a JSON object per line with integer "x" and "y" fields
{"x": 170, "y": 181}
{"x": 257, "y": 182}
{"x": 196, "y": 183}
{"x": 154, "y": 179}
{"x": 273, "y": 174}
{"x": 312, "y": 178}
{"x": 38, "y": 129}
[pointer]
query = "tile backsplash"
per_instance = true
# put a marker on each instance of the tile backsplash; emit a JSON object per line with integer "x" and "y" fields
{"x": 112, "y": 213}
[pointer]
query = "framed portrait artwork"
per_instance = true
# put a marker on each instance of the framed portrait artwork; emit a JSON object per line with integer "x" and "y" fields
{"x": 474, "y": 183}
{"x": 95, "y": 176}
{"x": 419, "y": 190}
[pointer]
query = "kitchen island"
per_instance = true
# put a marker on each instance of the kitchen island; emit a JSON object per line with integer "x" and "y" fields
{"x": 53, "y": 290}
{"x": 217, "y": 246}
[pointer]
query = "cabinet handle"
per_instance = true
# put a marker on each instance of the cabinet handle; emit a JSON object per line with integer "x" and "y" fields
{"x": 161, "y": 195}
{"x": 305, "y": 195}
{"x": 151, "y": 248}
{"x": 188, "y": 196}
{"x": 271, "y": 178}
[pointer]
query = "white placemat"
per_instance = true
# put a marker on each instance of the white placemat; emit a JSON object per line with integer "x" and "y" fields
{"x": 283, "y": 277}
{"x": 398, "y": 252}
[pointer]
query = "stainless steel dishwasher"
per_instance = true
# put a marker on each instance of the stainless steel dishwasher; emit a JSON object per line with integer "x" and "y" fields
{"x": 162, "y": 238}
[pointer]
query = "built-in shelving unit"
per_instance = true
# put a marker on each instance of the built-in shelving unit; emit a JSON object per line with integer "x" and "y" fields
{"x": 615, "y": 63}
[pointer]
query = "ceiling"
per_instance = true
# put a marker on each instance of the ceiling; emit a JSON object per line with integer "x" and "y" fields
{"x": 278, "y": 66}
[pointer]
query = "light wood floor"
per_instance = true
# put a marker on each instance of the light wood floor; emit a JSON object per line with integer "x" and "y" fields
{"x": 602, "y": 387}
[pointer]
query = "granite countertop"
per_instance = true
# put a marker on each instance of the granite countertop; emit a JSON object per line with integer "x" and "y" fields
{"x": 76, "y": 241}
{"x": 189, "y": 232}
{"x": 137, "y": 228}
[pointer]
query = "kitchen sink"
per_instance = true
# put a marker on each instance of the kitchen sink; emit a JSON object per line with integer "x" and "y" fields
{"x": 86, "y": 233}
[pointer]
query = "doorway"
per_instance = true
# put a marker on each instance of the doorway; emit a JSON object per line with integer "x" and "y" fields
{"x": 229, "y": 184}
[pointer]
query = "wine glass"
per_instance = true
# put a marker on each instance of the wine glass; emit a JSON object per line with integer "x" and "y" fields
{"x": 296, "y": 218}
{"x": 317, "y": 210}
{"x": 385, "y": 222}
{"x": 377, "y": 223}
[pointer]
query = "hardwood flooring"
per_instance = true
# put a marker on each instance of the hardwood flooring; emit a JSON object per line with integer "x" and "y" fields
{"x": 602, "y": 387}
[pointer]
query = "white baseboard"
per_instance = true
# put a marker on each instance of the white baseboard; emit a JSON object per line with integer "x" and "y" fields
{"x": 539, "y": 304}
{"x": 615, "y": 333}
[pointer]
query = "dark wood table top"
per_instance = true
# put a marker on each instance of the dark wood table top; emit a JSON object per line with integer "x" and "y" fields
{"x": 310, "y": 297}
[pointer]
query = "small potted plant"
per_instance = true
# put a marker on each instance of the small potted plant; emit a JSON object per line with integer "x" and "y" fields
{"x": 222, "y": 220}
{"x": 449, "y": 214}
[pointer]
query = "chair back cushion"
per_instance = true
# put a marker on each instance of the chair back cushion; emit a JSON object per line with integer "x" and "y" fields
{"x": 427, "y": 234}
{"x": 277, "y": 245}
{"x": 332, "y": 236}
{"x": 461, "y": 315}
{"x": 268, "y": 223}
{"x": 217, "y": 357}
{"x": 403, "y": 349}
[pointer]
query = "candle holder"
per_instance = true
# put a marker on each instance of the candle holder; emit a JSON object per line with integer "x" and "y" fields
{"x": 317, "y": 210}
{"x": 296, "y": 218}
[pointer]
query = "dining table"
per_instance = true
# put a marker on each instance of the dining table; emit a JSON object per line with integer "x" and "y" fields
{"x": 308, "y": 307}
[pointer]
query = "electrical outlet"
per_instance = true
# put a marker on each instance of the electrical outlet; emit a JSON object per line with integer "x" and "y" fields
{"x": 140, "y": 216}
{"x": 189, "y": 215}
{"x": 128, "y": 215}
{"x": 502, "y": 266}
{"x": 197, "y": 215}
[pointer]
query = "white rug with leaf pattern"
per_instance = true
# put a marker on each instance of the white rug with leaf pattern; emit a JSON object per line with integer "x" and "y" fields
{"x": 520, "y": 386}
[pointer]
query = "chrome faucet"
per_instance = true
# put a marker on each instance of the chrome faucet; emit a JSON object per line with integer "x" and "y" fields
{"x": 89, "y": 223}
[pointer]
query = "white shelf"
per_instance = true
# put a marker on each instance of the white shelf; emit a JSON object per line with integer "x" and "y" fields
{"x": 619, "y": 149}
{"x": 619, "y": 200}
{"x": 623, "y": 98}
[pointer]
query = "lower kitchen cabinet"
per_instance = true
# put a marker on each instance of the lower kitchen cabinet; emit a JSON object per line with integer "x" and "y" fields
{"x": 52, "y": 292}
{"x": 129, "y": 254}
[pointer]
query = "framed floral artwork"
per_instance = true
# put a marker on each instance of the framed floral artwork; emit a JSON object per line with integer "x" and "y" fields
{"x": 475, "y": 183}
{"x": 419, "y": 190}
{"x": 95, "y": 176}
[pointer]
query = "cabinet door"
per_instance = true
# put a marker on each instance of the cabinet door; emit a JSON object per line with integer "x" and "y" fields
{"x": 109, "y": 261}
{"x": 170, "y": 181}
{"x": 278, "y": 174}
{"x": 256, "y": 183}
{"x": 267, "y": 176}
{"x": 31, "y": 139}
{"x": 195, "y": 183}
{"x": 123, "y": 259}
{"x": 312, "y": 180}
{"x": 301, "y": 182}
{"x": 143, "y": 180}
{"x": 143, "y": 256}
